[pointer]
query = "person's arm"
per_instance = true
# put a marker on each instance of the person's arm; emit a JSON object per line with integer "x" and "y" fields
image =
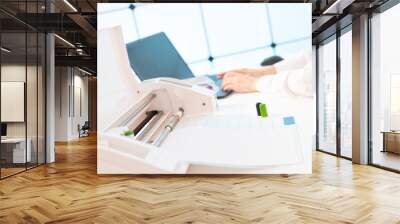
{"x": 293, "y": 63}
{"x": 255, "y": 72}
{"x": 301, "y": 83}
{"x": 271, "y": 83}
{"x": 267, "y": 70}
{"x": 297, "y": 81}
{"x": 239, "y": 83}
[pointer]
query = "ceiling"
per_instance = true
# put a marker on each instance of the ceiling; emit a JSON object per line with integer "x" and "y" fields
{"x": 75, "y": 43}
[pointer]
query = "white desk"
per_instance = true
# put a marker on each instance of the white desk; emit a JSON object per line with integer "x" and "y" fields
{"x": 283, "y": 103}
{"x": 303, "y": 108}
{"x": 118, "y": 155}
{"x": 19, "y": 154}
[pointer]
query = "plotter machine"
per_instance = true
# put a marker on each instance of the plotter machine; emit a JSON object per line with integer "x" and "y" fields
{"x": 169, "y": 126}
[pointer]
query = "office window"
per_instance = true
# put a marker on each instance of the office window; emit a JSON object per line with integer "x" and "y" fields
{"x": 327, "y": 96}
{"x": 282, "y": 16}
{"x": 395, "y": 101}
{"x": 13, "y": 87}
{"x": 31, "y": 99}
{"x": 346, "y": 94}
{"x": 385, "y": 89}
{"x": 186, "y": 34}
{"x": 244, "y": 26}
{"x": 252, "y": 32}
{"x": 22, "y": 95}
{"x": 289, "y": 49}
{"x": 41, "y": 97}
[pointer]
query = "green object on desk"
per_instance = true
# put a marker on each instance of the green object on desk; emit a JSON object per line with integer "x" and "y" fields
{"x": 128, "y": 133}
{"x": 263, "y": 110}
{"x": 258, "y": 108}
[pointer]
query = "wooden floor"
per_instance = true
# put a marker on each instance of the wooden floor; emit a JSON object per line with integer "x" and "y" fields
{"x": 70, "y": 191}
{"x": 387, "y": 159}
{"x": 10, "y": 171}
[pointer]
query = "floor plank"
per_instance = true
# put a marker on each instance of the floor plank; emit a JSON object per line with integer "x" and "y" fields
{"x": 70, "y": 191}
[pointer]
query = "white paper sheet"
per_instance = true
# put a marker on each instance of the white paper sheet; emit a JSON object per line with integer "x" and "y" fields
{"x": 234, "y": 141}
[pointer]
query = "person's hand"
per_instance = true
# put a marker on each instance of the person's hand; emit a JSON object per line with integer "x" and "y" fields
{"x": 255, "y": 72}
{"x": 239, "y": 82}
{"x": 243, "y": 71}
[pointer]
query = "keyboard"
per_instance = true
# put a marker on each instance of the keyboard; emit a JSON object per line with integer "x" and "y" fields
{"x": 218, "y": 82}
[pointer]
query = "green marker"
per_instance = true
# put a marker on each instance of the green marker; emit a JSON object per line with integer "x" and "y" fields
{"x": 263, "y": 110}
{"x": 258, "y": 108}
{"x": 128, "y": 133}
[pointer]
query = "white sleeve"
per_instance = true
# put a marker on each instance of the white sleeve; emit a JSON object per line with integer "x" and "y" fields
{"x": 293, "y": 63}
{"x": 299, "y": 82}
{"x": 271, "y": 83}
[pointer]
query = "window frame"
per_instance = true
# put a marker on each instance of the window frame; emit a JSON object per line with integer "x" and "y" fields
{"x": 334, "y": 37}
{"x": 381, "y": 9}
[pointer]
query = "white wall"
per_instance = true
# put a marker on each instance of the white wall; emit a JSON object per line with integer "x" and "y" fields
{"x": 70, "y": 83}
{"x": 12, "y": 73}
{"x": 79, "y": 117}
{"x": 62, "y": 82}
{"x": 34, "y": 125}
{"x": 13, "y": 101}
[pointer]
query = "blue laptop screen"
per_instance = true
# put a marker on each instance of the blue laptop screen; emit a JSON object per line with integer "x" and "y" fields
{"x": 155, "y": 56}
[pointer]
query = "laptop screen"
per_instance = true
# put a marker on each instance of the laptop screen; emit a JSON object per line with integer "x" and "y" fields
{"x": 155, "y": 56}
